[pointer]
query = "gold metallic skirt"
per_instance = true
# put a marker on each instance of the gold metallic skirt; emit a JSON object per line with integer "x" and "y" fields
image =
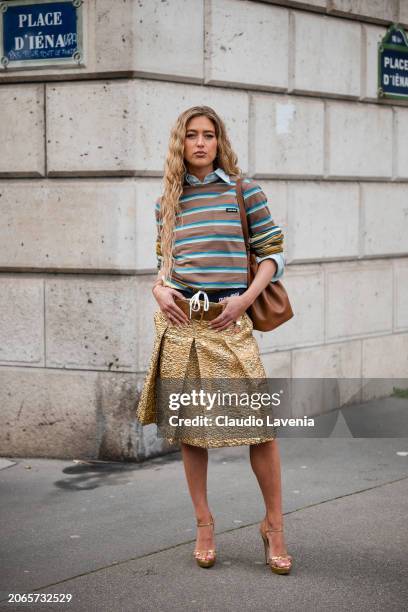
{"x": 195, "y": 351}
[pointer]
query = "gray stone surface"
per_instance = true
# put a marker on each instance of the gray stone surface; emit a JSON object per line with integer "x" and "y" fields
{"x": 306, "y": 287}
{"x": 63, "y": 413}
{"x": 84, "y": 150}
{"x": 328, "y": 211}
{"x": 335, "y": 69}
{"x": 79, "y": 225}
{"x": 355, "y": 134}
{"x": 248, "y": 46}
{"x": 289, "y": 136}
{"x": 383, "y": 226}
{"x": 23, "y": 139}
{"x": 383, "y": 10}
{"x": 359, "y": 296}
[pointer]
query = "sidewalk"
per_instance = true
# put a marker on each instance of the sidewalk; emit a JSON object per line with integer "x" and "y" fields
{"x": 119, "y": 537}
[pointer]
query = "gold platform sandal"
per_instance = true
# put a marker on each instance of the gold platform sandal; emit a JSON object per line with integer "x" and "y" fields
{"x": 205, "y": 558}
{"x": 275, "y": 561}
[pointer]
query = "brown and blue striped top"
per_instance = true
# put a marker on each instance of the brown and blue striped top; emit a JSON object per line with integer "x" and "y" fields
{"x": 209, "y": 251}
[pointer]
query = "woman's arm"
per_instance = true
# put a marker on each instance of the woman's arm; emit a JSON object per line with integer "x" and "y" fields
{"x": 266, "y": 270}
{"x": 237, "y": 305}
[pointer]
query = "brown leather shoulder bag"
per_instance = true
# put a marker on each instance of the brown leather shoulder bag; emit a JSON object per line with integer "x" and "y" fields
{"x": 272, "y": 307}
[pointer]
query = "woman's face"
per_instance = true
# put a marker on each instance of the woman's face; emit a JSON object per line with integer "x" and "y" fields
{"x": 200, "y": 144}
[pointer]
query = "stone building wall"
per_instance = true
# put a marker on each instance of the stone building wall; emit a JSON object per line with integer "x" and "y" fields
{"x": 82, "y": 158}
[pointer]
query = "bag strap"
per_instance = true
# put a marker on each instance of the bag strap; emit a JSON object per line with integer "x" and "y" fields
{"x": 244, "y": 220}
{"x": 244, "y": 224}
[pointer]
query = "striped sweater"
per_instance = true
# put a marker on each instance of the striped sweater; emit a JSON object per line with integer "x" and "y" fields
{"x": 209, "y": 251}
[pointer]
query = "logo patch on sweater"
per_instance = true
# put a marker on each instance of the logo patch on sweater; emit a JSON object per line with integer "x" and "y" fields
{"x": 234, "y": 210}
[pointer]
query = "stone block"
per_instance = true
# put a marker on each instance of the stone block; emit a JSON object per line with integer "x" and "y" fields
{"x": 323, "y": 220}
{"x": 359, "y": 140}
{"x": 69, "y": 225}
{"x": 385, "y": 358}
{"x": 77, "y": 115}
{"x": 49, "y": 413}
{"x": 141, "y": 37}
{"x": 163, "y": 46}
{"x": 401, "y": 139}
{"x": 359, "y": 299}
{"x": 73, "y": 415}
{"x": 288, "y": 132}
{"x": 91, "y": 128}
{"x": 381, "y": 10}
{"x": 332, "y": 66}
{"x": 278, "y": 364}
{"x": 147, "y": 191}
{"x": 277, "y": 194}
{"x": 335, "y": 360}
{"x": 338, "y": 361}
{"x": 305, "y": 287}
{"x": 385, "y": 219}
{"x": 97, "y": 323}
{"x": 22, "y": 130}
{"x": 21, "y": 320}
{"x": 403, "y": 13}
{"x": 372, "y": 35}
{"x": 87, "y": 224}
{"x": 401, "y": 294}
{"x": 246, "y": 44}
{"x": 146, "y": 307}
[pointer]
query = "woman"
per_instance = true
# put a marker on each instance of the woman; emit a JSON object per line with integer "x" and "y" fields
{"x": 201, "y": 252}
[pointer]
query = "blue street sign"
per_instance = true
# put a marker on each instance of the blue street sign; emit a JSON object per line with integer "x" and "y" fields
{"x": 393, "y": 64}
{"x": 43, "y": 32}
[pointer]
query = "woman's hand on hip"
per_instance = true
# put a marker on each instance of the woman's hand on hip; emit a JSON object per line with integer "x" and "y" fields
{"x": 164, "y": 296}
{"x": 235, "y": 307}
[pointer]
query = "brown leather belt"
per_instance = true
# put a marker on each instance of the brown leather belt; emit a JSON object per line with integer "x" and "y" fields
{"x": 201, "y": 315}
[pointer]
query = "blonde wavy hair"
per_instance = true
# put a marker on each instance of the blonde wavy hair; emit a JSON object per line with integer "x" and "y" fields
{"x": 175, "y": 169}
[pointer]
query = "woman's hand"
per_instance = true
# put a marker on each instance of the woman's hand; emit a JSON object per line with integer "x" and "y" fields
{"x": 236, "y": 306}
{"x": 164, "y": 296}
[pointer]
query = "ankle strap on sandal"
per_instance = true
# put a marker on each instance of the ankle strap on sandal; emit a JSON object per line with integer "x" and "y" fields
{"x": 206, "y": 524}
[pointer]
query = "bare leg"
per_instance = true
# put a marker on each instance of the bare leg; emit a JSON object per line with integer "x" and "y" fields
{"x": 195, "y": 461}
{"x": 265, "y": 462}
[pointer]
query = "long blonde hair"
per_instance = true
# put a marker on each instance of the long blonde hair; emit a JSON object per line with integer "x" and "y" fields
{"x": 175, "y": 169}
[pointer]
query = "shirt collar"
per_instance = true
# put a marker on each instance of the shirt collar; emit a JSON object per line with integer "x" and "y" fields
{"x": 210, "y": 178}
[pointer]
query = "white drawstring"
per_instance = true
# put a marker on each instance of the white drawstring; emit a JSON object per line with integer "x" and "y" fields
{"x": 195, "y": 301}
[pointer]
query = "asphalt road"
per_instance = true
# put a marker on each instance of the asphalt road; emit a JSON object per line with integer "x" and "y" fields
{"x": 119, "y": 537}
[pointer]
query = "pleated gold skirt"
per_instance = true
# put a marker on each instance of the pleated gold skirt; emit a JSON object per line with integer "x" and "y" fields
{"x": 194, "y": 352}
